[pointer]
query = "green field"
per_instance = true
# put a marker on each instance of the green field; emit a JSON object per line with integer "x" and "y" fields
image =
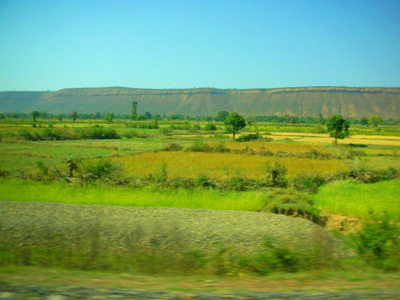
{"x": 181, "y": 164}
{"x": 363, "y": 201}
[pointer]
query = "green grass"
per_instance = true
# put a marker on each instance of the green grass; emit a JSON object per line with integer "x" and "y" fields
{"x": 360, "y": 200}
{"x": 20, "y": 190}
{"x": 333, "y": 280}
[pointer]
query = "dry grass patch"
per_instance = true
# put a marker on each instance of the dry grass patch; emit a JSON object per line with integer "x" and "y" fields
{"x": 218, "y": 165}
{"x": 276, "y": 147}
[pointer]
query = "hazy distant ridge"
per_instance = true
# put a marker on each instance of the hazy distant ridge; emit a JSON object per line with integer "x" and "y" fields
{"x": 307, "y": 101}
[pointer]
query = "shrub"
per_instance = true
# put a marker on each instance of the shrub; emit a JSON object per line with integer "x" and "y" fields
{"x": 94, "y": 170}
{"x": 173, "y": 147}
{"x": 249, "y": 137}
{"x": 205, "y": 181}
{"x": 29, "y": 136}
{"x": 134, "y": 134}
{"x": 315, "y": 154}
{"x": 97, "y": 133}
{"x": 55, "y": 135}
{"x": 309, "y": 182}
{"x": 220, "y": 147}
{"x": 210, "y": 127}
{"x": 165, "y": 131}
{"x": 143, "y": 125}
{"x": 276, "y": 175}
{"x": 197, "y": 146}
{"x": 291, "y": 202}
{"x": 378, "y": 243}
{"x": 237, "y": 184}
{"x": 195, "y": 128}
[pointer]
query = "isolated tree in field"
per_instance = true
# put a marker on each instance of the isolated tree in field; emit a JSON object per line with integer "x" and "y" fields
{"x": 375, "y": 120}
{"x": 74, "y": 115}
{"x": 134, "y": 109}
{"x": 109, "y": 117}
{"x": 364, "y": 121}
{"x": 234, "y": 122}
{"x": 338, "y": 127}
{"x": 35, "y": 114}
{"x": 221, "y": 116}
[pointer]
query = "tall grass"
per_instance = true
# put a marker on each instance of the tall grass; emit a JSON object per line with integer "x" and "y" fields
{"x": 24, "y": 190}
{"x": 360, "y": 200}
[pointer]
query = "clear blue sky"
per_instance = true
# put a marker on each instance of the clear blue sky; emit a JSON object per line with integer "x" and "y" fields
{"x": 59, "y": 44}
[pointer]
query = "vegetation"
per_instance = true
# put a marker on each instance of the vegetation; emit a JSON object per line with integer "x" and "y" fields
{"x": 234, "y": 122}
{"x": 35, "y": 114}
{"x": 221, "y": 116}
{"x": 338, "y": 127}
{"x": 74, "y": 115}
{"x": 375, "y": 120}
{"x": 169, "y": 161}
{"x": 358, "y": 200}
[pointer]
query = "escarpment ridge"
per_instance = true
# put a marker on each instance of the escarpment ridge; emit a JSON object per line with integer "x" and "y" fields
{"x": 351, "y": 102}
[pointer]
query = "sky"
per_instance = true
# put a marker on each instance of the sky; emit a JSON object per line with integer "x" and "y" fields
{"x": 56, "y": 44}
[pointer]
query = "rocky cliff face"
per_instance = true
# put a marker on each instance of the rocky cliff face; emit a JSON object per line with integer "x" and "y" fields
{"x": 349, "y": 102}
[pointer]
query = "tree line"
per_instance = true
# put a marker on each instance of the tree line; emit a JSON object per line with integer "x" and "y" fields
{"x": 373, "y": 120}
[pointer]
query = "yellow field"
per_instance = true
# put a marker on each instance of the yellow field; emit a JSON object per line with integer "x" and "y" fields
{"x": 326, "y": 140}
{"x": 218, "y": 165}
{"x": 276, "y": 147}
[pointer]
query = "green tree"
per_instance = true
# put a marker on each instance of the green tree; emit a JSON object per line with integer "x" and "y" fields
{"x": 364, "y": 121}
{"x": 234, "y": 122}
{"x": 375, "y": 120}
{"x": 35, "y": 114}
{"x": 221, "y": 116}
{"x": 109, "y": 117}
{"x": 321, "y": 119}
{"x": 74, "y": 115}
{"x": 338, "y": 127}
{"x": 134, "y": 109}
{"x": 59, "y": 117}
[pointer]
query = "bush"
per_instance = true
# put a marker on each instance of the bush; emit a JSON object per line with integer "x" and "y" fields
{"x": 309, "y": 182}
{"x": 173, "y": 147}
{"x": 96, "y": 133}
{"x": 199, "y": 146}
{"x": 143, "y": 125}
{"x": 98, "y": 169}
{"x": 276, "y": 175}
{"x": 291, "y": 202}
{"x": 249, "y": 137}
{"x": 195, "y": 128}
{"x": 29, "y": 136}
{"x": 165, "y": 131}
{"x": 378, "y": 243}
{"x": 134, "y": 134}
{"x": 205, "y": 181}
{"x": 372, "y": 176}
{"x": 210, "y": 127}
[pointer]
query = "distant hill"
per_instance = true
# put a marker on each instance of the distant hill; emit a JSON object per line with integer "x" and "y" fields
{"x": 308, "y": 101}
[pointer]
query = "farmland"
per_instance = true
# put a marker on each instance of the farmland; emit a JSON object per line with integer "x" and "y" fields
{"x": 182, "y": 164}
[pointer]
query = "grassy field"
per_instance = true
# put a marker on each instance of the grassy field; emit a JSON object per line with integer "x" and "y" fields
{"x": 59, "y": 192}
{"x": 220, "y": 165}
{"x": 180, "y": 164}
{"x": 363, "y": 201}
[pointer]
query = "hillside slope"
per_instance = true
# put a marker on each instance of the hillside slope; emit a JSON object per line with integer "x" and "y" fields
{"x": 308, "y": 101}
